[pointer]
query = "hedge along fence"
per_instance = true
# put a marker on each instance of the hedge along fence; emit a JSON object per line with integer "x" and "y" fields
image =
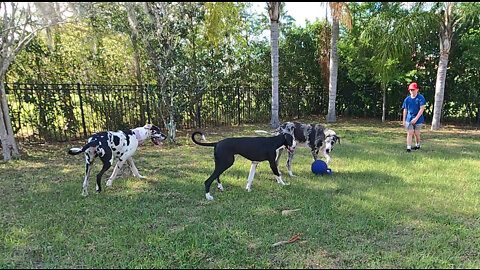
{"x": 62, "y": 112}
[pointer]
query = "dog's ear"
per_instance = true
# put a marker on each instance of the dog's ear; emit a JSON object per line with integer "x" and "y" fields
{"x": 337, "y": 138}
{"x": 148, "y": 126}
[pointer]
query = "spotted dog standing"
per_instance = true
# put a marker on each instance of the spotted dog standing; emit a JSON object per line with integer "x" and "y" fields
{"x": 121, "y": 144}
{"x": 316, "y": 137}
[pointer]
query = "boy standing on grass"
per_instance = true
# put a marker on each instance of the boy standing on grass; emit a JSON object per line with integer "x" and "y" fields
{"x": 413, "y": 107}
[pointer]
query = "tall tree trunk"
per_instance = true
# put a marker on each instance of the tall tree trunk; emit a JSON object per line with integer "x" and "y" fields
{"x": 275, "y": 122}
{"x": 446, "y": 33}
{"x": 439, "y": 91}
{"x": 9, "y": 146}
{"x": 332, "y": 86}
{"x": 132, "y": 22}
{"x": 325, "y": 38}
{"x": 138, "y": 72}
{"x": 274, "y": 11}
{"x": 384, "y": 102}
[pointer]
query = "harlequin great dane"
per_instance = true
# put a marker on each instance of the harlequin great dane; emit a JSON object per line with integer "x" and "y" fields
{"x": 121, "y": 144}
{"x": 315, "y": 136}
{"x": 255, "y": 149}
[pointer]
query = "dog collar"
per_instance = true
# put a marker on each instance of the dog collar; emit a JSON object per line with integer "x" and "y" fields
{"x": 139, "y": 138}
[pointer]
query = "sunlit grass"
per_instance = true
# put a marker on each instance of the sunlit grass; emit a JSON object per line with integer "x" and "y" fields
{"x": 380, "y": 208}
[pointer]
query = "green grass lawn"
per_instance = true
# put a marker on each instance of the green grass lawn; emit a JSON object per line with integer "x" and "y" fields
{"x": 380, "y": 208}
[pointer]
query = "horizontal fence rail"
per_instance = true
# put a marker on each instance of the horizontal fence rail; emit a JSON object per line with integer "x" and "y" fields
{"x": 63, "y": 112}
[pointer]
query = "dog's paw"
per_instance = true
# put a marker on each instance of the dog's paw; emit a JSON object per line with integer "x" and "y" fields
{"x": 208, "y": 196}
{"x": 280, "y": 181}
{"x": 109, "y": 183}
{"x": 84, "y": 193}
{"x": 248, "y": 188}
{"x": 220, "y": 187}
{"x": 142, "y": 177}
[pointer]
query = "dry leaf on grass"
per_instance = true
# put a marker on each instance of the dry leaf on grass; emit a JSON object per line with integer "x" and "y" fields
{"x": 288, "y": 212}
{"x": 291, "y": 240}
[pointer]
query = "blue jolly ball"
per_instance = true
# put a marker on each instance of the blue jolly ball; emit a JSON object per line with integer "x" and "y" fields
{"x": 320, "y": 167}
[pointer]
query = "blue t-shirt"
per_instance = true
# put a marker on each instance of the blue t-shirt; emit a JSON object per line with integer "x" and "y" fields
{"x": 413, "y": 106}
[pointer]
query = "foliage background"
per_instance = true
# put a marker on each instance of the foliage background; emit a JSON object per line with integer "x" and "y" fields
{"x": 222, "y": 45}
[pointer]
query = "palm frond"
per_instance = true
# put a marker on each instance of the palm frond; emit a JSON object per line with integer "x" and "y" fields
{"x": 341, "y": 12}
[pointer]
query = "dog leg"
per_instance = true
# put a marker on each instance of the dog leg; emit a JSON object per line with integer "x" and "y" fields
{"x": 289, "y": 164}
{"x": 117, "y": 168}
{"x": 327, "y": 157}
{"x": 222, "y": 163}
{"x": 280, "y": 181}
{"x": 105, "y": 167}
{"x": 219, "y": 185}
{"x": 134, "y": 169}
{"x": 279, "y": 154}
{"x": 315, "y": 154}
{"x": 209, "y": 181}
{"x": 88, "y": 167}
{"x": 251, "y": 175}
{"x": 89, "y": 159}
{"x": 276, "y": 173}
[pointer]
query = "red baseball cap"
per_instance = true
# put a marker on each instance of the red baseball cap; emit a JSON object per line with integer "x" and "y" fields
{"x": 413, "y": 85}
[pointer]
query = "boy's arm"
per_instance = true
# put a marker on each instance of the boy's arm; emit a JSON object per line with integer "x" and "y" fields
{"x": 414, "y": 120}
{"x": 404, "y": 116}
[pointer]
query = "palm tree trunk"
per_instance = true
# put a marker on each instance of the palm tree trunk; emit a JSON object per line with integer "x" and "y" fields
{"x": 439, "y": 90}
{"x": 446, "y": 34}
{"x": 332, "y": 86}
{"x": 274, "y": 32}
{"x": 9, "y": 146}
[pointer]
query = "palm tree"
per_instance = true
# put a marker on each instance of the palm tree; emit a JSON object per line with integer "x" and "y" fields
{"x": 340, "y": 13}
{"x": 416, "y": 25}
{"x": 451, "y": 15}
{"x": 388, "y": 35}
{"x": 445, "y": 35}
{"x": 274, "y": 13}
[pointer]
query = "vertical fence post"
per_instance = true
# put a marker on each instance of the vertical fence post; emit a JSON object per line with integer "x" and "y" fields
{"x": 238, "y": 104}
{"x": 199, "y": 119}
{"x": 81, "y": 110}
{"x": 149, "y": 116}
{"x": 298, "y": 103}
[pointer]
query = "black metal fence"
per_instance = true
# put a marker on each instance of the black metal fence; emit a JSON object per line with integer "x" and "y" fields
{"x": 62, "y": 112}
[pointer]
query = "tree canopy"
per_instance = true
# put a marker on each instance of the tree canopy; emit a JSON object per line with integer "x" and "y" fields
{"x": 202, "y": 45}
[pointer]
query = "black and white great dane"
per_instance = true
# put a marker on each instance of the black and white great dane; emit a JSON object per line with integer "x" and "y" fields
{"x": 121, "y": 144}
{"x": 255, "y": 149}
{"x": 315, "y": 136}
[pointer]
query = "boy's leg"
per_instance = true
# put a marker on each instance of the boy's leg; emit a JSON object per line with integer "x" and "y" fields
{"x": 410, "y": 130}
{"x": 409, "y": 139}
{"x": 417, "y": 136}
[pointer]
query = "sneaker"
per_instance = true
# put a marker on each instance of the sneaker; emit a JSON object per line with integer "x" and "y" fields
{"x": 409, "y": 150}
{"x": 416, "y": 148}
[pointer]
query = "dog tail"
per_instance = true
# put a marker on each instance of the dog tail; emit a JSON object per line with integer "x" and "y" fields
{"x": 76, "y": 151}
{"x": 265, "y": 132}
{"x": 203, "y": 138}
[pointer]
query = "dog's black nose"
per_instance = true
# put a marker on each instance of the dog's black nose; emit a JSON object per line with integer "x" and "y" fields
{"x": 328, "y": 150}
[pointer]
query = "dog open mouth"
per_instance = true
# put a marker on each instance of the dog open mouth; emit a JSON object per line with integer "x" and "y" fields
{"x": 289, "y": 149}
{"x": 157, "y": 142}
